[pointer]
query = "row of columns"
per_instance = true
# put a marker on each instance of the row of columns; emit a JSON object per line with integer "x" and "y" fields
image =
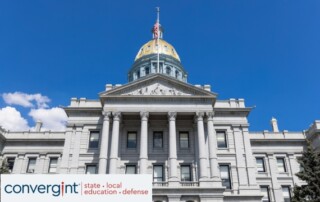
{"x": 143, "y": 158}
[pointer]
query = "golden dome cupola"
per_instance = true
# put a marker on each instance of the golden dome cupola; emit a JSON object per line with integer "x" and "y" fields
{"x": 157, "y": 57}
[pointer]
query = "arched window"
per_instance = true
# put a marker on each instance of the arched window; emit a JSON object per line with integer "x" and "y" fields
{"x": 177, "y": 73}
{"x": 168, "y": 70}
{"x": 138, "y": 74}
{"x": 147, "y": 70}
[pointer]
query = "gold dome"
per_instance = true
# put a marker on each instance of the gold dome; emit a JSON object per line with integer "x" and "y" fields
{"x": 151, "y": 48}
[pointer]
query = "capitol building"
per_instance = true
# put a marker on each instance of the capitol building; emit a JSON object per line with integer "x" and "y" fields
{"x": 197, "y": 148}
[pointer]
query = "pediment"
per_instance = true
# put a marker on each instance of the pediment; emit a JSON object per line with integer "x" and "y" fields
{"x": 157, "y": 88}
{"x": 157, "y": 85}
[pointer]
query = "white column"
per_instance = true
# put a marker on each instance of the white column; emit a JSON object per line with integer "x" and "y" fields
{"x": 251, "y": 169}
{"x": 144, "y": 142}
{"x": 212, "y": 138}
{"x": 172, "y": 147}
{"x": 202, "y": 151}
{"x": 103, "y": 157}
{"x": 114, "y": 143}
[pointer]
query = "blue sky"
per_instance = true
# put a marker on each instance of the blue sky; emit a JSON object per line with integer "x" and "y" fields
{"x": 266, "y": 52}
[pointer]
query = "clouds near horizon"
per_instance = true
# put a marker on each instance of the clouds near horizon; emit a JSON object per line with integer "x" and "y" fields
{"x": 11, "y": 119}
{"x": 26, "y": 100}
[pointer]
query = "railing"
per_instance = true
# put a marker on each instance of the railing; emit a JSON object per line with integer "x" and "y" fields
{"x": 189, "y": 184}
{"x": 160, "y": 184}
{"x": 183, "y": 184}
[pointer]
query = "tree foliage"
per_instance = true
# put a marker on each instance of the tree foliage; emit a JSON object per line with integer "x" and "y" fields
{"x": 310, "y": 173}
{"x": 4, "y": 169}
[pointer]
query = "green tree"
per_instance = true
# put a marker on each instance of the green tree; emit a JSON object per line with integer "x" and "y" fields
{"x": 310, "y": 173}
{"x": 4, "y": 169}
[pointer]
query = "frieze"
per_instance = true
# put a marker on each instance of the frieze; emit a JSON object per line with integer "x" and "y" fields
{"x": 156, "y": 89}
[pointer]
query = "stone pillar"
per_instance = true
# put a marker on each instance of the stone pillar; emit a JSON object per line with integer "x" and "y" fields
{"x": 103, "y": 157}
{"x": 241, "y": 162}
{"x": 41, "y": 164}
{"x": 76, "y": 150}
{"x": 277, "y": 190}
{"x": 115, "y": 143}
{"x": 250, "y": 160}
{"x": 144, "y": 142}
{"x": 172, "y": 147}
{"x": 294, "y": 167}
{"x": 18, "y": 164}
{"x": 202, "y": 149}
{"x": 212, "y": 138}
{"x": 64, "y": 166}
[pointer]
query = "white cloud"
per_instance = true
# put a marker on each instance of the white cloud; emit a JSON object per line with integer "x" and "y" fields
{"x": 11, "y": 119}
{"x": 26, "y": 100}
{"x": 53, "y": 119}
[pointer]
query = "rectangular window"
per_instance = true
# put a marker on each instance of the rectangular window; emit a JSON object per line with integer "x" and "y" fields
{"x": 221, "y": 139}
{"x": 265, "y": 192}
{"x": 184, "y": 140}
{"x": 286, "y": 193}
{"x": 10, "y": 163}
{"x": 281, "y": 165}
{"x": 260, "y": 165}
{"x": 225, "y": 176}
{"x": 131, "y": 169}
{"x": 158, "y": 173}
{"x": 91, "y": 169}
{"x": 94, "y": 140}
{"x": 31, "y": 165}
{"x": 185, "y": 173}
{"x": 132, "y": 140}
{"x": 53, "y": 165}
{"x": 157, "y": 139}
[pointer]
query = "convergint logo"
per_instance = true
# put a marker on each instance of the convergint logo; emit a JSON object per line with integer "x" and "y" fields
{"x": 75, "y": 187}
{"x": 56, "y": 190}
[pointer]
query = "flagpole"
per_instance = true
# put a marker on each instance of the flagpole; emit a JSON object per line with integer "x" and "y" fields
{"x": 158, "y": 36}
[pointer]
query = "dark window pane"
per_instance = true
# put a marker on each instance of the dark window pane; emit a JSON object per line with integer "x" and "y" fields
{"x": 94, "y": 140}
{"x": 131, "y": 169}
{"x": 265, "y": 192}
{"x": 53, "y": 165}
{"x": 281, "y": 165}
{"x": 260, "y": 165}
{"x": 185, "y": 173}
{"x": 10, "y": 162}
{"x": 184, "y": 140}
{"x": 158, "y": 173}
{"x": 132, "y": 140}
{"x": 91, "y": 169}
{"x": 157, "y": 139}
{"x": 225, "y": 176}
{"x": 221, "y": 139}
{"x": 286, "y": 193}
{"x": 31, "y": 165}
{"x": 147, "y": 70}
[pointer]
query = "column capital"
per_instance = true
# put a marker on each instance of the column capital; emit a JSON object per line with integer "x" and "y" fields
{"x": 199, "y": 116}
{"x": 144, "y": 115}
{"x": 210, "y": 115}
{"x": 106, "y": 115}
{"x": 116, "y": 116}
{"x": 172, "y": 116}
